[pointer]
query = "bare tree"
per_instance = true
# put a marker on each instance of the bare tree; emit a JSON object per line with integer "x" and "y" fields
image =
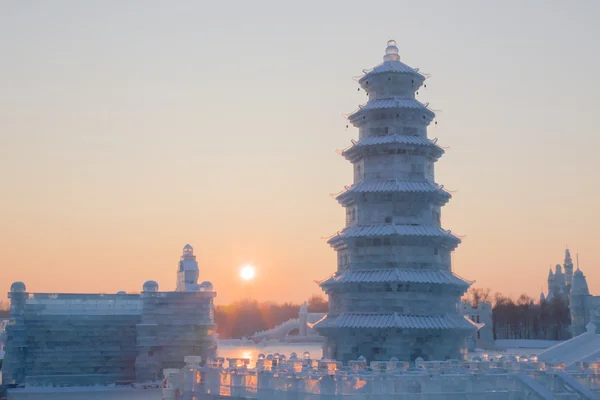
{"x": 475, "y": 296}
{"x": 317, "y": 304}
{"x": 4, "y": 309}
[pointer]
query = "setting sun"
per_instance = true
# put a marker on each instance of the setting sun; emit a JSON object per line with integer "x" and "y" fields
{"x": 247, "y": 273}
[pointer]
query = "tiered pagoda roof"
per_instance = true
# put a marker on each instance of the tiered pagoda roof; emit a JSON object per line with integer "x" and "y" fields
{"x": 365, "y": 145}
{"x": 395, "y": 102}
{"x": 404, "y": 139}
{"x": 391, "y": 66}
{"x": 379, "y": 230}
{"x": 395, "y": 275}
{"x": 394, "y": 320}
{"x": 392, "y": 186}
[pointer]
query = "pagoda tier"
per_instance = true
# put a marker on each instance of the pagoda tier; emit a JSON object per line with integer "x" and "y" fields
{"x": 394, "y": 320}
{"x": 406, "y": 234}
{"x": 396, "y": 276}
{"x": 392, "y": 144}
{"x": 368, "y": 191}
{"x": 392, "y": 70}
{"x": 394, "y": 107}
{"x": 419, "y": 291}
{"x": 394, "y": 293}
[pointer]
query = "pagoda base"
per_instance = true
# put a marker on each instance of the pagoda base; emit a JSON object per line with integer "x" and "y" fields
{"x": 377, "y": 344}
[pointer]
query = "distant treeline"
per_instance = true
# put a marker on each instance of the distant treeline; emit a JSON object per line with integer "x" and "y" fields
{"x": 512, "y": 319}
{"x": 246, "y": 317}
{"x": 523, "y": 318}
{"x": 4, "y": 309}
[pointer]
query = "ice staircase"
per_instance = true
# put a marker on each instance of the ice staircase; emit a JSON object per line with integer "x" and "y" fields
{"x": 585, "y": 347}
{"x": 553, "y": 385}
{"x": 575, "y": 387}
{"x": 533, "y": 389}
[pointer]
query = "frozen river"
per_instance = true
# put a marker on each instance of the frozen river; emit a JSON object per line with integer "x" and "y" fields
{"x": 226, "y": 351}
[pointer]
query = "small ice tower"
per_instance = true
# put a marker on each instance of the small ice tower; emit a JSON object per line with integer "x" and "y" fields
{"x": 187, "y": 274}
{"x": 568, "y": 265}
{"x": 578, "y": 303}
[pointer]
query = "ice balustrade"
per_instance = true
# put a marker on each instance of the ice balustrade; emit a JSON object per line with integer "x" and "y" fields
{"x": 277, "y": 377}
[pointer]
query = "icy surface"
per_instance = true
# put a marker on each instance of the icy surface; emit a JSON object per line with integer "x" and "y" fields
{"x": 98, "y": 393}
{"x": 293, "y": 376}
{"x": 526, "y": 343}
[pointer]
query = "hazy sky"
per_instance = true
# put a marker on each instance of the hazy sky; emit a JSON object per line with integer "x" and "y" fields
{"x": 130, "y": 128}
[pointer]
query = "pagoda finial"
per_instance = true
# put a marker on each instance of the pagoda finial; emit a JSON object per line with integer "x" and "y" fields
{"x": 391, "y": 52}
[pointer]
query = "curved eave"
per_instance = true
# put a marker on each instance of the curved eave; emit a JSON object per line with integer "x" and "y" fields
{"x": 313, "y": 325}
{"x": 389, "y": 230}
{"x": 391, "y": 67}
{"x": 474, "y": 324}
{"x": 391, "y": 103}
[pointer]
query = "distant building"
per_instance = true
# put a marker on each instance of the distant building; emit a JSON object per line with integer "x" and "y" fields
{"x": 573, "y": 288}
{"x": 582, "y": 304}
{"x": 559, "y": 282}
{"x": 480, "y": 314}
{"x": 85, "y": 339}
{"x": 394, "y": 293}
{"x": 188, "y": 271}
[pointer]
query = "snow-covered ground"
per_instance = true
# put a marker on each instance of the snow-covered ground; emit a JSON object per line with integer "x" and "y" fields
{"x": 113, "y": 393}
{"x": 97, "y": 393}
{"x": 226, "y": 350}
{"x": 524, "y": 343}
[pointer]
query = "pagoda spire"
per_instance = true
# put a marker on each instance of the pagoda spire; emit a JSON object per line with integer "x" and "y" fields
{"x": 391, "y": 52}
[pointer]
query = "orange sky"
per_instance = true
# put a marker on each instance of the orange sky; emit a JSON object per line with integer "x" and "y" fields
{"x": 127, "y": 133}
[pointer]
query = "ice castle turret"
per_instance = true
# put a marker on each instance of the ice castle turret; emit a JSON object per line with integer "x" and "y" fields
{"x": 188, "y": 271}
{"x": 14, "y": 369}
{"x": 394, "y": 293}
{"x": 578, "y": 303}
{"x": 568, "y": 265}
{"x": 559, "y": 282}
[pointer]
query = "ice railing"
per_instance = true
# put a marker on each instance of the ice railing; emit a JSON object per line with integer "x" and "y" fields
{"x": 278, "y": 377}
{"x": 283, "y": 325}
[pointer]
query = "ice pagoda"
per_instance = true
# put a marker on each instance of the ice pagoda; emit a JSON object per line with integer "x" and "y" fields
{"x": 394, "y": 293}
